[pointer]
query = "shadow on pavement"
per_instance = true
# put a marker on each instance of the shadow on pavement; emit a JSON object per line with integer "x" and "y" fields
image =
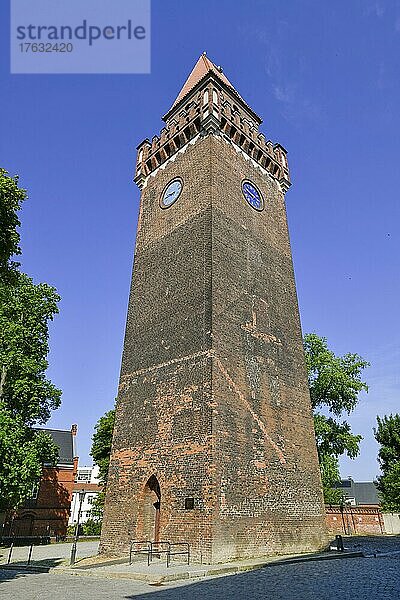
{"x": 20, "y": 569}
{"x": 356, "y": 578}
{"x": 372, "y": 543}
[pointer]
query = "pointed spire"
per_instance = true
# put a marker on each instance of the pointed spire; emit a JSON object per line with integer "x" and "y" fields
{"x": 201, "y": 68}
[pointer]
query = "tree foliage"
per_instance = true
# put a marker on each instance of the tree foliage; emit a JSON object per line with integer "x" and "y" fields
{"x": 335, "y": 383}
{"x": 330, "y": 474}
{"x": 387, "y": 434}
{"x": 26, "y": 396}
{"x": 23, "y": 451}
{"x": 25, "y": 311}
{"x": 101, "y": 443}
{"x": 11, "y": 198}
{"x": 101, "y": 451}
{"x": 91, "y": 527}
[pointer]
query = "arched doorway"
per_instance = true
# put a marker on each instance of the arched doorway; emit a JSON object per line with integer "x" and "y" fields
{"x": 151, "y": 510}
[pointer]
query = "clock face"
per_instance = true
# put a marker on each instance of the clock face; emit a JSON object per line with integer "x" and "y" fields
{"x": 252, "y": 195}
{"x": 171, "y": 193}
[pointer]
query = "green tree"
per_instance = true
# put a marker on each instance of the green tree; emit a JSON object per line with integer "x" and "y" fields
{"x": 11, "y": 198}
{"x": 335, "y": 383}
{"x": 25, "y": 310}
{"x": 387, "y": 434}
{"x": 23, "y": 452}
{"x": 100, "y": 451}
{"x": 26, "y": 396}
{"x": 91, "y": 527}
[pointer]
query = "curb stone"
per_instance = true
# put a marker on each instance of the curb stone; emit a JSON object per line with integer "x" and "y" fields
{"x": 159, "y": 579}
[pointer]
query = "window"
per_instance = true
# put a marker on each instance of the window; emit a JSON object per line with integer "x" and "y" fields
{"x": 189, "y": 503}
{"x": 83, "y": 475}
{"x": 35, "y": 491}
{"x": 205, "y": 97}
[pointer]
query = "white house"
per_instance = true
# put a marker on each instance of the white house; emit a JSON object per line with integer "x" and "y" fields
{"x": 86, "y": 482}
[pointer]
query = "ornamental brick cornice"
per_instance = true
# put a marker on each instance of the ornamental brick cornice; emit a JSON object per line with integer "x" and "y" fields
{"x": 212, "y": 107}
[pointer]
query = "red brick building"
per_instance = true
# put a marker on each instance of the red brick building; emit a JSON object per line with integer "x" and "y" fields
{"x": 213, "y": 442}
{"x": 47, "y": 512}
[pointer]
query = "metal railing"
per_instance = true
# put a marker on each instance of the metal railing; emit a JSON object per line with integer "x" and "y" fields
{"x": 145, "y": 547}
{"x": 155, "y": 549}
{"x": 158, "y": 548}
{"x": 177, "y": 552}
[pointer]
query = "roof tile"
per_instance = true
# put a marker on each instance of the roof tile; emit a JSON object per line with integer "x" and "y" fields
{"x": 201, "y": 68}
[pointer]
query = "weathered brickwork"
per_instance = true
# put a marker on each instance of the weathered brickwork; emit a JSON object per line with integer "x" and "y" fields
{"x": 214, "y": 442}
{"x": 351, "y": 520}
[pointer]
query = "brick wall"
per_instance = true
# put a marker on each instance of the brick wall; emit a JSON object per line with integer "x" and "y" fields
{"x": 164, "y": 411}
{"x": 353, "y": 520}
{"x": 213, "y": 396}
{"x": 50, "y": 511}
{"x": 267, "y": 467}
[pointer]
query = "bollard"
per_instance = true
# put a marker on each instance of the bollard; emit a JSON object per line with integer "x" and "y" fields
{"x": 10, "y": 553}
{"x": 73, "y": 554}
{"x": 339, "y": 543}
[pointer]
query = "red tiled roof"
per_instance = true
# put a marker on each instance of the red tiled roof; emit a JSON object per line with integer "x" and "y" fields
{"x": 201, "y": 68}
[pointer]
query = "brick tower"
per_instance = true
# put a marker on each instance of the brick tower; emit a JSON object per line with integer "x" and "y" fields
{"x": 214, "y": 441}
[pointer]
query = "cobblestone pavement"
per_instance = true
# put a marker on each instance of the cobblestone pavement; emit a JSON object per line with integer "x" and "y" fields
{"x": 345, "y": 579}
{"x": 373, "y": 543}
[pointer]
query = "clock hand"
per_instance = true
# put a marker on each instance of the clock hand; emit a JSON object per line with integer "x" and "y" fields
{"x": 251, "y": 191}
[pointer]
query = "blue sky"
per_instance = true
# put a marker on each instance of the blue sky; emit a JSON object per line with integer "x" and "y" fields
{"x": 325, "y": 78}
